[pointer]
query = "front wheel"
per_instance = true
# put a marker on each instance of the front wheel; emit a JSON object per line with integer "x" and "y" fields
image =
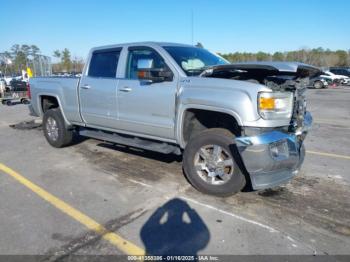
{"x": 210, "y": 163}
{"x": 55, "y": 130}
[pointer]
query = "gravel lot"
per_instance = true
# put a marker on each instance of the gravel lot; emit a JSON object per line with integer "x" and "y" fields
{"x": 128, "y": 191}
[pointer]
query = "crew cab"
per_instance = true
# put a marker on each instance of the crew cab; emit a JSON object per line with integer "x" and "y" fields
{"x": 234, "y": 124}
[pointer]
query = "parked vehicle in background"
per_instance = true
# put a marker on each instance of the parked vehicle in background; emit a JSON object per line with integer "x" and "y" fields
{"x": 331, "y": 78}
{"x": 17, "y": 92}
{"x": 67, "y": 74}
{"x": 8, "y": 79}
{"x": 342, "y": 79}
{"x": 345, "y": 71}
{"x": 2, "y": 87}
{"x": 319, "y": 82}
{"x": 235, "y": 124}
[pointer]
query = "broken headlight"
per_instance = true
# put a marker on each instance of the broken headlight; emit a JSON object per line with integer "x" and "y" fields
{"x": 275, "y": 105}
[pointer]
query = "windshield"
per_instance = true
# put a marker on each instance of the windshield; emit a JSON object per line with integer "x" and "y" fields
{"x": 194, "y": 60}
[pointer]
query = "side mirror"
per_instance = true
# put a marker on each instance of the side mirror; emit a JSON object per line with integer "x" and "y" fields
{"x": 156, "y": 75}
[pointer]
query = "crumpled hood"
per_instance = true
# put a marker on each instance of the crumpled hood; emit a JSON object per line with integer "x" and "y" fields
{"x": 278, "y": 68}
{"x": 275, "y": 75}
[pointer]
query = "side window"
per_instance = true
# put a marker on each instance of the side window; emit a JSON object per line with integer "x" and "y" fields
{"x": 104, "y": 64}
{"x": 142, "y": 54}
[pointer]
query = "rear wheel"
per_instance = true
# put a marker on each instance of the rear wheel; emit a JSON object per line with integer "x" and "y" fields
{"x": 210, "y": 163}
{"x": 55, "y": 130}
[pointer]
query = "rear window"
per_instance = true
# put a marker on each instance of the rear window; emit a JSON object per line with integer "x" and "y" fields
{"x": 104, "y": 64}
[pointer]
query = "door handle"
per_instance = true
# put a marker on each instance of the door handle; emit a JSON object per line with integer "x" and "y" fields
{"x": 125, "y": 89}
{"x": 85, "y": 87}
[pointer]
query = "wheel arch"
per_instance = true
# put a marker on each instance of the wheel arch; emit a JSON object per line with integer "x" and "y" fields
{"x": 184, "y": 110}
{"x": 42, "y": 96}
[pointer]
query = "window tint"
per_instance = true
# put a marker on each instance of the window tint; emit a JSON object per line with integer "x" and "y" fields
{"x": 140, "y": 54}
{"x": 104, "y": 64}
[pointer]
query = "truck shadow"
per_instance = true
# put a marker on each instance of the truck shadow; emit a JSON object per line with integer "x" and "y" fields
{"x": 175, "y": 229}
{"x": 171, "y": 158}
{"x": 167, "y": 158}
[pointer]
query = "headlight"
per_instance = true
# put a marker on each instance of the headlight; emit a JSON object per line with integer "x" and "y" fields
{"x": 275, "y": 105}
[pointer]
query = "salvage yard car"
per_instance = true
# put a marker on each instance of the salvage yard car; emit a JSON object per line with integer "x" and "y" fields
{"x": 318, "y": 82}
{"x": 234, "y": 124}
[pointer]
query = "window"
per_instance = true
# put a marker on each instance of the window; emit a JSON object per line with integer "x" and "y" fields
{"x": 194, "y": 60}
{"x": 104, "y": 63}
{"x": 142, "y": 54}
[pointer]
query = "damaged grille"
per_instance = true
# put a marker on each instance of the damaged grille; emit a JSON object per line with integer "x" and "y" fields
{"x": 299, "y": 110}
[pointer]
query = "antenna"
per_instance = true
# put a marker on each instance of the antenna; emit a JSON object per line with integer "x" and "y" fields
{"x": 192, "y": 27}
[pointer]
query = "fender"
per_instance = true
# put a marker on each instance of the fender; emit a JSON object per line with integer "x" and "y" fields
{"x": 41, "y": 113}
{"x": 180, "y": 118}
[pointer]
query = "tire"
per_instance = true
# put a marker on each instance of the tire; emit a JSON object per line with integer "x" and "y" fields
{"x": 55, "y": 130}
{"x": 232, "y": 182}
{"x": 318, "y": 85}
{"x": 9, "y": 102}
{"x": 24, "y": 101}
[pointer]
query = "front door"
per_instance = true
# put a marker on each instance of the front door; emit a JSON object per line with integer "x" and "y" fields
{"x": 144, "y": 107}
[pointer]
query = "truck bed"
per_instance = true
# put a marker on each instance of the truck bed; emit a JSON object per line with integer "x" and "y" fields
{"x": 63, "y": 88}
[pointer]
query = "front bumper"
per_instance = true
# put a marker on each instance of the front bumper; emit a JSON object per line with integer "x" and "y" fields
{"x": 274, "y": 157}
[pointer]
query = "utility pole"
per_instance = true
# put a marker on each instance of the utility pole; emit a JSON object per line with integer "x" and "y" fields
{"x": 192, "y": 27}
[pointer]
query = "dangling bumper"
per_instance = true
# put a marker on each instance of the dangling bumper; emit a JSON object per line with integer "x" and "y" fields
{"x": 274, "y": 157}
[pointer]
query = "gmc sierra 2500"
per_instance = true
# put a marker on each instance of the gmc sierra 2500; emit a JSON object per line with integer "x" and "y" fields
{"x": 234, "y": 123}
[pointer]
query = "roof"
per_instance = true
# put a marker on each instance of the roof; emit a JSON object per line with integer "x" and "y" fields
{"x": 147, "y": 43}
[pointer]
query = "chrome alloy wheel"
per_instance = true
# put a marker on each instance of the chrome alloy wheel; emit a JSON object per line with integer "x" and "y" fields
{"x": 52, "y": 128}
{"x": 214, "y": 164}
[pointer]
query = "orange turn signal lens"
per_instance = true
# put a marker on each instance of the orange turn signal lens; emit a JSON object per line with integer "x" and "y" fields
{"x": 141, "y": 74}
{"x": 267, "y": 103}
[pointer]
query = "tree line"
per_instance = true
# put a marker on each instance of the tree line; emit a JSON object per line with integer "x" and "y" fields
{"x": 318, "y": 57}
{"x": 19, "y": 57}
{"x": 67, "y": 62}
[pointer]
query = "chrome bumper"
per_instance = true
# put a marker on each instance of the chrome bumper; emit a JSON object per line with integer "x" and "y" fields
{"x": 275, "y": 157}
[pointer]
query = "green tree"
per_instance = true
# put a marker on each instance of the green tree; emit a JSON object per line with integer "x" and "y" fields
{"x": 278, "y": 56}
{"x": 57, "y": 53}
{"x": 261, "y": 56}
{"x": 342, "y": 57}
{"x": 199, "y": 45}
{"x": 34, "y": 50}
{"x": 66, "y": 59}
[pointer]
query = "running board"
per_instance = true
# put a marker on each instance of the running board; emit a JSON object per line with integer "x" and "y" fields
{"x": 161, "y": 147}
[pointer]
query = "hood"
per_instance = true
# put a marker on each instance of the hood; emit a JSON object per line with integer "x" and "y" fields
{"x": 276, "y": 75}
{"x": 289, "y": 68}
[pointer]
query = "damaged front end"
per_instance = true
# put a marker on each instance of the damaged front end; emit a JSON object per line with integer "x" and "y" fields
{"x": 272, "y": 156}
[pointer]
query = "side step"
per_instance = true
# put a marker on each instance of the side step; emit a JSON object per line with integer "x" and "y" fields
{"x": 161, "y": 147}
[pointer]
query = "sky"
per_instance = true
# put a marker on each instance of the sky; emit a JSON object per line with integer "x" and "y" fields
{"x": 220, "y": 25}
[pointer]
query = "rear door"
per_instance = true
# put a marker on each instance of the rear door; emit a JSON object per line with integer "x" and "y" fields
{"x": 98, "y": 89}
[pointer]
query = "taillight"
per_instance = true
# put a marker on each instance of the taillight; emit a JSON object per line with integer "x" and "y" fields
{"x": 29, "y": 95}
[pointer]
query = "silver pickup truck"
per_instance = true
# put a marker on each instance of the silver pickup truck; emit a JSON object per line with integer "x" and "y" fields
{"x": 234, "y": 124}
